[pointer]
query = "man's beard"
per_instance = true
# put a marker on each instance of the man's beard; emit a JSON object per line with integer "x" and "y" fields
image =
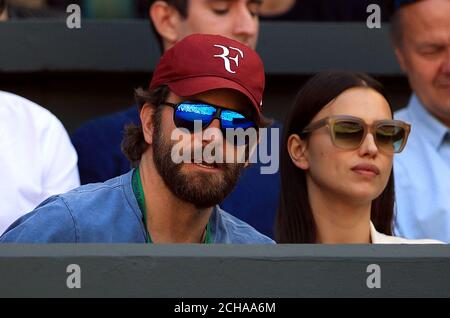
{"x": 202, "y": 189}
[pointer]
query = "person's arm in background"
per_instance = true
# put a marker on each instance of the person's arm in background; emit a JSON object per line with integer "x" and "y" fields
{"x": 60, "y": 171}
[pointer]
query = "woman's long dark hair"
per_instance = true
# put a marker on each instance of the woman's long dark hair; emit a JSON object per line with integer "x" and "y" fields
{"x": 294, "y": 220}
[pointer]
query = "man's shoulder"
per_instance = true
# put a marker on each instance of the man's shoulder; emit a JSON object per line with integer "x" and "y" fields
{"x": 51, "y": 221}
{"x": 80, "y": 215}
{"x": 97, "y": 196}
{"x": 233, "y": 230}
{"x": 88, "y": 189}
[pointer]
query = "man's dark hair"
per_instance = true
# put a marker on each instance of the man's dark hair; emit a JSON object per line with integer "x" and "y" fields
{"x": 2, "y": 6}
{"x": 134, "y": 144}
{"x": 180, "y": 5}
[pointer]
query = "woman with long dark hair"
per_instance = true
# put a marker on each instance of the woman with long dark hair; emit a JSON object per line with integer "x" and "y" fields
{"x": 337, "y": 183}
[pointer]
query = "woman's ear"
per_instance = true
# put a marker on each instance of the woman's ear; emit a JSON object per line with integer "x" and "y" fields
{"x": 146, "y": 115}
{"x": 298, "y": 151}
{"x": 165, "y": 18}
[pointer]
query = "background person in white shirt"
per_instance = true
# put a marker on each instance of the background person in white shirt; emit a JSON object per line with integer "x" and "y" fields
{"x": 421, "y": 38}
{"x": 337, "y": 185}
{"x": 37, "y": 159}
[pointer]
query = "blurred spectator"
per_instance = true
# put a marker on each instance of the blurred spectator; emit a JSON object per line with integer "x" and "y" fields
{"x": 322, "y": 10}
{"x": 27, "y": 9}
{"x": 421, "y": 38}
{"x": 277, "y": 10}
{"x": 62, "y": 4}
{"x": 109, "y": 9}
{"x": 280, "y": 9}
{"x": 32, "y": 4}
{"x": 3, "y": 14}
{"x": 37, "y": 159}
{"x": 106, "y": 9}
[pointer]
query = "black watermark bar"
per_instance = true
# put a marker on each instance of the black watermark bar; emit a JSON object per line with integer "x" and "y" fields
{"x": 217, "y": 307}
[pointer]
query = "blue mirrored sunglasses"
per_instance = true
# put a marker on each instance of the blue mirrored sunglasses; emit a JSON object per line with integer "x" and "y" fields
{"x": 187, "y": 112}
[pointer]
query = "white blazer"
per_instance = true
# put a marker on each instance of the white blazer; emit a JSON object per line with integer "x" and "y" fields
{"x": 380, "y": 238}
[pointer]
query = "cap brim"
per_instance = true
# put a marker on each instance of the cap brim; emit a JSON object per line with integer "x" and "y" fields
{"x": 197, "y": 85}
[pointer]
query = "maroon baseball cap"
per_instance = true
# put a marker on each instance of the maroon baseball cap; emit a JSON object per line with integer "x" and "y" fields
{"x": 203, "y": 62}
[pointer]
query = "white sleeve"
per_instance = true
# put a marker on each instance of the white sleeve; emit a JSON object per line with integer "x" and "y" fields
{"x": 60, "y": 171}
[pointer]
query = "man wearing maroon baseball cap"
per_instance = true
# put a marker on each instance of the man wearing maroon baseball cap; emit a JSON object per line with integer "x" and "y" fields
{"x": 205, "y": 83}
{"x": 98, "y": 141}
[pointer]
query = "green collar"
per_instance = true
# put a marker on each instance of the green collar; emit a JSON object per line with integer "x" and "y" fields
{"x": 140, "y": 198}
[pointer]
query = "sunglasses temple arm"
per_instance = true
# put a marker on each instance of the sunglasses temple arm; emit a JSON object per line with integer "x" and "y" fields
{"x": 314, "y": 126}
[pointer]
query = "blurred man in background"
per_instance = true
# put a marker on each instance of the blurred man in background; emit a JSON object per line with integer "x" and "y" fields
{"x": 3, "y": 12}
{"x": 27, "y": 9}
{"x": 421, "y": 38}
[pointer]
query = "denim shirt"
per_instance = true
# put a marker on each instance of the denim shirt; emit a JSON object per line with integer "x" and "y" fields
{"x": 109, "y": 213}
{"x": 422, "y": 177}
{"x": 100, "y": 158}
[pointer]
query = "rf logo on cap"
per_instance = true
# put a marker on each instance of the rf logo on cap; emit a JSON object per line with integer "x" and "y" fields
{"x": 227, "y": 59}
